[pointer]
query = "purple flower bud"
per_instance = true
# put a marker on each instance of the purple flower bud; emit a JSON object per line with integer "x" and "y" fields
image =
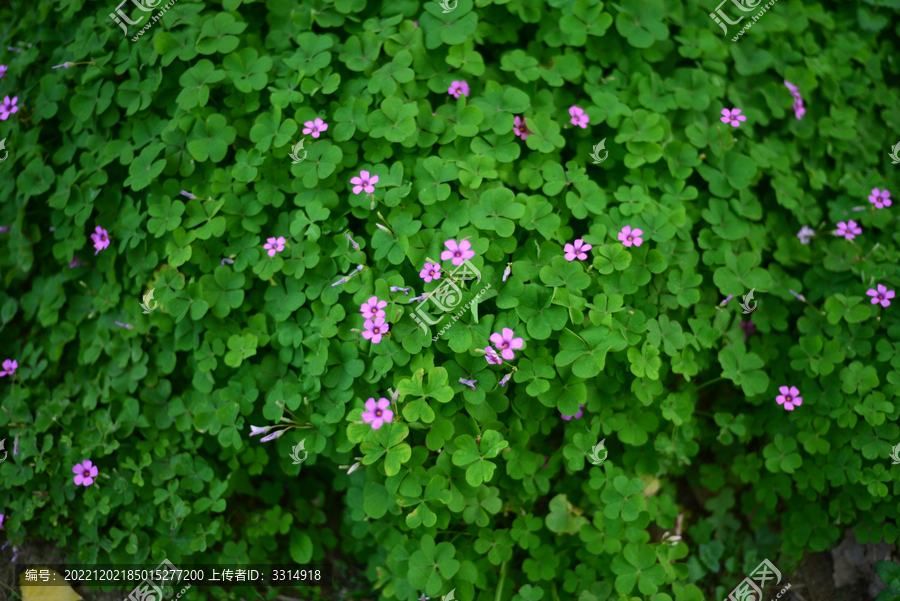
{"x": 405, "y": 291}
{"x": 505, "y": 379}
{"x": 797, "y": 296}
{"x": 725, "y": 302}
{"x": 470, "y": 383}
{"x": 127, "y": 326}
{"x": 65, "y": 65}
{"x": 418, "y": 299}
{"x": 382, "y": 228}
{"x": 272, "y": 436}
{"x": 359, "y": 268}
{"x": 506, "y": 272}
{"x": 355, "y": 245}
{"x": 254, "y": 430}
{"x": 16, "y": 446}
{"x": 188, "y": 194}
{"x": 339, "y": 282}
{"x": 226, "y": 260}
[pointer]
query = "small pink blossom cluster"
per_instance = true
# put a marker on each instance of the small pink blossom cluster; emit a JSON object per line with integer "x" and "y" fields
{"x": 799, "y": 108}
{"x": 375, "y": 326}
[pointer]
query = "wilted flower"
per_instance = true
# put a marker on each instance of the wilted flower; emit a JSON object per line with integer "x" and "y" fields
{"x": 375, "y": 329}
{"x": 274, "y": 245}
{"x": 805, "y": 234}
{"x": 314, "y": 127}
{"x": 732, "y": 116}
{"x": 227, "y": 260}
{"x": 84, "y": 472}
{"x": 880, "y": 198}
{"x": 100, "y": 238}
{"x": 470, "y": 383}
{"x": 9, "y": 367}
{"x": 577, "y": 250}
{"x": 352, "y": 243}
{"x": 458, "y": 87}
{"x": 520, "y": 128}
{"x": 16, "y": 446}
{"x": 848, "y": 230}
{"x": 458, "y": 253}
{"x": 8, "y": 108}
{"x": 373, "y": 308}
{"x": 506, "y": 272}
{"x": 431, "y": 272}
{"x": 364, "y": 182}
{"x": 405, "y": 291}
{"x": 188, "y": 194}
{"x": 65, "y": 65}
{"x": 343, "y": 280}
{"x": 881, "y": 295}
{"x": 579, "y": 117}
{"x": 505, "y": 379}
{"x": 506, "y": 342}
{"x": 799, "y": 108}
{"x": 491, "y": 355}
{"x": 578, "y": 415}
{"x": 630, "y": 236}
{"x": 378, "y": 413}
{"x": 789, "y": 397}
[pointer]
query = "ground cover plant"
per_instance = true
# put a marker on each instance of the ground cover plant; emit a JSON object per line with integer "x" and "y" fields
{"x": 656, "y": 266}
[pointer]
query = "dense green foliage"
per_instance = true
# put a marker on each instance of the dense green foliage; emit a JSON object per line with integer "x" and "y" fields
{"x": 454, "y": 493}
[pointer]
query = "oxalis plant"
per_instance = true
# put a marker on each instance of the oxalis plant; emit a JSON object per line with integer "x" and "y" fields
{"x": 560, "y": 300}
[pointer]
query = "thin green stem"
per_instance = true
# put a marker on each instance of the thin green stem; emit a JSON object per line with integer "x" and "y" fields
{"x": 499, "y": 594}
{"x": 708, "y": 383}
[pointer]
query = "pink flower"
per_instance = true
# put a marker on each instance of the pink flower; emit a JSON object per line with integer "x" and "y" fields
{"x": 880, "y": 198}
{"x": 579, "y": 117}
{"x": 579, "y": 250}
{"x": 799, "y": 109}
{"x": 520, "y": 129}
{"x": 881, "y": 295}
{"x": 8, "y": 108}
{"x": 373, "y": 308}
{"x": 459, "y": 253}
{"x": 505, "y": 379}
{"x": 364, "y": 182}
{"x": 848, "y": 230}
{"x": 375, "y": 329}
{"x": 314, "y": 127}
{"x": 506, "y": 343}
{"x": 84, "y": 472}
{"x": 458, "y": 87}
{"x": 416, "y": 23}
{"x": 432, "y": 271}
{"x": 630, "y": 236}
{"x": 100, "y": 238}
{"x": 378, "y": 413}
{"x": 492, "y": 357}
{"x": 795, "y": 91}
{"x": 506, "y": 272}
{"x": 733, "y": 116}
{"x": 3, "y": 69}
{"x": 578, "y": 415}
{"x": 789, "y": 397}
{"x": 9, "y": 367}
{"x": 274, "y": 245}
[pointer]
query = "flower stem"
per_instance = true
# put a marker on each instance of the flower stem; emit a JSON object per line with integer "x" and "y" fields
{"x": 499, "y": 594}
